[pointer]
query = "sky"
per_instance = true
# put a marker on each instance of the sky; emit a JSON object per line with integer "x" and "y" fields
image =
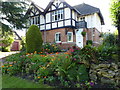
{"x": 103, "y": 5}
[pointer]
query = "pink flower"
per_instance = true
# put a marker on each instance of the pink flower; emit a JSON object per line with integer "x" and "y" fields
{"x": 75, "y": 59}
{"x": 72, "y": 50}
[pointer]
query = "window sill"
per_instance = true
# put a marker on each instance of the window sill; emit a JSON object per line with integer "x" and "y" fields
{"x": 70, "y": 41}
{"x": 58, "y": 41}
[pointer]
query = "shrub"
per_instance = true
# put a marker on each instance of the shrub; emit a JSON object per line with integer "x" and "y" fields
{"x": 106, "y": 52}
{"x": 83, "y": 34}
{"x": 89, "y": 42}
{"x": 78, "y": 73}
{"x": 109, "y": 39}
{"x": 33, "y": 39}
{"x": 5, "y": 49}
{"x": 85, "y": 55}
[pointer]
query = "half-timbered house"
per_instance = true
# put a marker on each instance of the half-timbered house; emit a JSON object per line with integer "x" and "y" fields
{"x": 61, "y": 23}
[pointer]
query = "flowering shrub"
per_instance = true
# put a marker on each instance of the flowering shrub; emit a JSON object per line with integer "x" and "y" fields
{"x": 50, "y": 48}
{"x": 85, "y": 55}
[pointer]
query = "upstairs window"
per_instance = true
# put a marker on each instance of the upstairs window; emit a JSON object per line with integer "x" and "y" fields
{"x": 82, "y": 19}
{"x": 70, "y": 37}
{"x": 58, "y": 37}
{"x": 57, "y": 15}
{"x": 33, "y": 20}
{"x": 37, "y": 20}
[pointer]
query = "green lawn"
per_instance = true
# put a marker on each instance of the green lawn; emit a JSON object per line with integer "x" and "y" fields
{"x": 15, "y": 82}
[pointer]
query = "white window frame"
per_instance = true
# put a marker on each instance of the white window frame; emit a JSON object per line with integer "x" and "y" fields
{"x": 57, "y": 13}
{"x": 71, "y": 37}
{"x": 56, "y": 37}
{"x": 37, "y": 20}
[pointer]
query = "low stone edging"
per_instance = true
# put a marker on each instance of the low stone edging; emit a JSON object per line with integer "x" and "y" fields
{"x": 105, "y": 73}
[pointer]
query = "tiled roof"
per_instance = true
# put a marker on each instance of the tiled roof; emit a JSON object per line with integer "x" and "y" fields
{"x": 86, "y": 9}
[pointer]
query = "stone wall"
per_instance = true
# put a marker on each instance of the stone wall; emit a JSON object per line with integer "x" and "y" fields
{"x": 105, "y": 73}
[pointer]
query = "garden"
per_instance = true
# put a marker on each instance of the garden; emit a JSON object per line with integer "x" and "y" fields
{"x": 89, "y": 67}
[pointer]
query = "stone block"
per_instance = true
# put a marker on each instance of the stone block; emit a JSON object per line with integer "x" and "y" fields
{"x": 107, "y": 81}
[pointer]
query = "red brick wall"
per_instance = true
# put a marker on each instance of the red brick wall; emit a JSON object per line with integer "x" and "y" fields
{"x": 95, "y": 37}
{"x": 50, "y": 37}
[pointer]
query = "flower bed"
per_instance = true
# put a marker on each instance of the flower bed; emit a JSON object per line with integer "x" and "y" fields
{"x": 59, "y": 70}
{"x": 66, "y": 69}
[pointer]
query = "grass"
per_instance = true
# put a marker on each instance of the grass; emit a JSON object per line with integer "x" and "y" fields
{"x": 15, "y": 82}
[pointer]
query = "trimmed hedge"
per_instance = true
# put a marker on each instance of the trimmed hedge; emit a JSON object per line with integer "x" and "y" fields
{"x": 33, "y": 39}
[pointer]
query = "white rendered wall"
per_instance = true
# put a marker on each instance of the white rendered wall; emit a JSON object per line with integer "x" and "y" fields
{"x": 73, "y": 22}
{"x": 54, "y": 25}
{"x": 67, "y": 13}
{"x": 60, "y": 24}
{"x": 61, "y": 5}
{"x": 47, "y": 17}
{"x": 48, "y": 26}
{"x": 42, "y": 21}
{"x": 67, "y": 22}
{"x": 42, "y": 27}
{"x": 98, "y": 22}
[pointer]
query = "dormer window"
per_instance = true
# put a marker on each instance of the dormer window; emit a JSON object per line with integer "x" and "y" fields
{"x": 82, "y": 19}
{"x": 57, "y": 15}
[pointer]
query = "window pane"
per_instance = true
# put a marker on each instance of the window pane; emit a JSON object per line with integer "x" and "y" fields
{"x": 59, "y": 17}
{"x": 52, "y": 18}
{"x": 33, "y": 21}
{"x": 56, "y": 17}
{"x": 36, "y": 21}
{"x": 58, "y": 37}
{"x": 69, "y": 36}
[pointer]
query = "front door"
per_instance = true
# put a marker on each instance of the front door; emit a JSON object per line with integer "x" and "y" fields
{"x": 15, "y": 46}
{"x": 79, "y": 38}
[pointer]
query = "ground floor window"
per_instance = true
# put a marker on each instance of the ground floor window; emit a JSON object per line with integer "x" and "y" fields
{"x": 58, "y": 37}
{"x": 70, "y": 36}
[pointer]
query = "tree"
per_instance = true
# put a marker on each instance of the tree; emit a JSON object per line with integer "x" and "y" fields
{"x": 115, "y": 14}
{"x": 6, "y": 42}
{"x": 109, "y": 39}
{"x": 12, "y": 15}
{"x": 33, "y": 39}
